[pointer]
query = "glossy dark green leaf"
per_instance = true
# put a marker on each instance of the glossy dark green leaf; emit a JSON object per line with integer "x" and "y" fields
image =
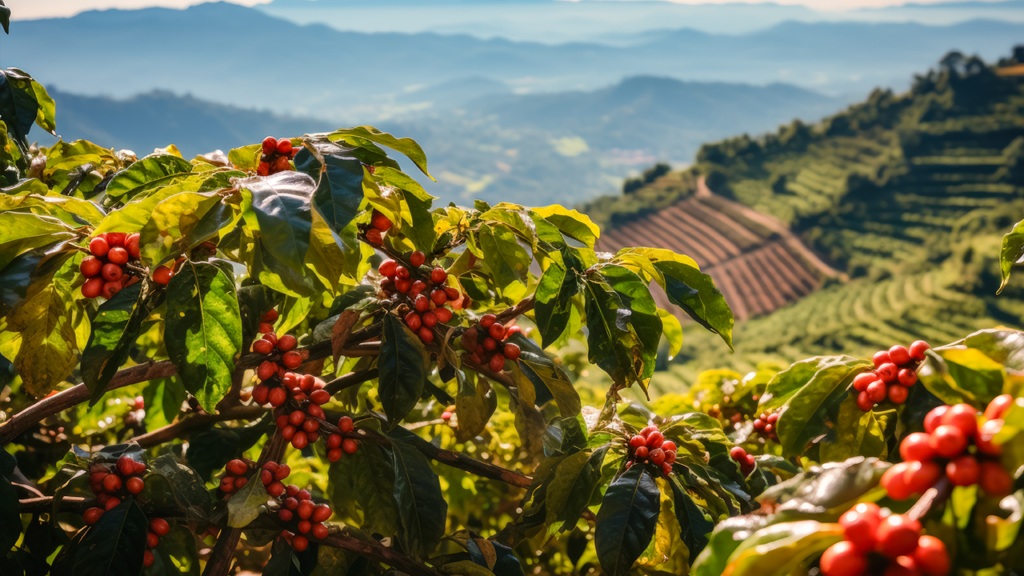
{"x": 859, "y": 433}
{"x": 422, "y": 508}
{"x": 694, "y": 523}
{"x": 497, "y": 558}
{"x": 406, "y": 146}
{"x": 476, "y": 410}
{"x": 245, "y": 505}
{"x": 403, "y": 372}
{"x": 203, "y": 330}
{"x": 627, "y": 520}
{"x": 573, "y": 486}
{"x": 825, "y": 492}
{"x": 564, "y": 436}
{"x": 643, "y": 313}
{"x": 1012, "y": 251}
{"x": 554, "y": 302}
{"x": 547, "y": 377}
{"x": 367, "y": 477}
{"x": 572, "y": 223}
{"x": 210, "y": 451}
{"x": 18, "y": 104}
{"x": 115, "y": 328}
{"x": 339, "y": 178}
{"x": 115, "y": 544}
{"x": 176, "y": 555}
{"x": 186, "y": 487}
{"x": 253, "y": 302}
{"x": 611, "y": 341}
{"x": 5, "y": 18}
{"x": 421, "y": 232}
{"x": 807, "y": 391}
{"x": 696, "y": 293}
{"x": 147, "y": 174}
{"x": 282, "y": 204}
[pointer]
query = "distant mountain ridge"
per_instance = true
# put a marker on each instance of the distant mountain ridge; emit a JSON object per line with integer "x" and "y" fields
{"x": 368, "y": 75}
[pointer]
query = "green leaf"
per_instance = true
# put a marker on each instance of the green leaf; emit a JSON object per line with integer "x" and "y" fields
{"x": 5, "y": 18}
{"x": 186, "y": 487}
{"x": 611, "y": 341}
{"x": 115, "y": 544}
{"x": 825, "y": 493}
{"x": 806, "y": 391}
{"x": 698, "y": 296}
{"x": 115, "y": 328}
{"x": 573, "y": 485}
{"x": 783, "y": 548}
{"x": 727, "y": 536}
{"x": 246, "y": 157}
{"x": 339, "y": 190}
{"x": 403, "y": 370}
{"x": 21, "y": 232}
{"x": 147, "y": 174}
{"x": 553, "y": 307}
{"x": 572, "y": 223}
{"x": 406, "y": 146}
{"x": 10, "y": 516}
{"x": 181, "y": 222}
{"x": 281, "y": 204}
{"x": 18, "y": 105}
{"x": 134, "y": 216}
{"x": 975, "y": 373}
{"x": 1012, "y": 251}
{"x": 49, "y": 345}
{"x": 176, "y": 555}
{"x": 545, "y": 374}
{"x": 70, "y": 210}
{"x": 627, "y": 520}
{"x": 859, "y": 433}
{"x": 421, "y": 505}
{"x": 245, "y": 505}
{"x": 642, "y": 314}
{"x": 673, "y": 332}
{"x": 694, "y": 523}
{"x": 422, "y": 230}
{"x": 497, "y": 558}
{"x": 507, "y": 261}
{"x": 367, "y": 478}
{"x": 203, "y": 330}
{"x": 475, "y": 411}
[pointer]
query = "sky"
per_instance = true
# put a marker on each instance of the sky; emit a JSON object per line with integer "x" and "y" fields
{"x": 31, "y": 9}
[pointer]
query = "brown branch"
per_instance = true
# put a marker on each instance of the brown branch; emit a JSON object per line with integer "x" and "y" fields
{"x": 180, "y": 427}
{"x": 934, "y": 496}
{"x": 446, "y": 457}
{"x": 375, "y": 551}
{"x": 519, "y": 309}
{"x": 351, "y": 379}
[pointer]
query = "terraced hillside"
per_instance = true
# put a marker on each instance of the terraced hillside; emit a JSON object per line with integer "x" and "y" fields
{"x": 907, "y": 195}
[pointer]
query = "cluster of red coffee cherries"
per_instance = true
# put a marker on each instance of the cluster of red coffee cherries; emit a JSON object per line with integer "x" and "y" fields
{"x": 300, "y": 426}
{"x": 650, "y": 447}
{"x": 486, "y": 343}
{"x": 237, "y": 475}
{"x": 767, "y": 425}
{"x": 297, "y": 506}
{"x": 428, "y": 300}
{"x": 276, "y": 156}
{"x": 107, "y": 269}
{"x": 952, "y": 442}
{"x": 111, "y": 485}
{"x": 895, "y": 372}
{"x": 878, "y": 542}
{"x": 379, "y": 225}
{"x": 746, "y": 461}
{"x": 336, "y": 444}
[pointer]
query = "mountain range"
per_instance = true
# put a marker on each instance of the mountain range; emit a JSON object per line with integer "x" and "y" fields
{"x": 355, "y": 77}
{"x": 575, "y": 145}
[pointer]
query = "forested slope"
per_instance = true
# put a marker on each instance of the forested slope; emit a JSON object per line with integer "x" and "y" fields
{"x": 907, "y": 195}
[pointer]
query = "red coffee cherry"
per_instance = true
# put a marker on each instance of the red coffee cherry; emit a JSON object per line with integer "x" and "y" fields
{"x": 132, "y": 245}
{"x": 373, "y": 236}
{"x": 887, "y": 372}
{"x": 90, "y": 267}
{"x": 893, "y": 480}
{"x": 986, "y": 433}
{"x": 262, "y": 347}
{"x": 417, "y": 258}
{"x": 438, "y": 276}
{"x": 159, "y": 526}
{"x": 899, "y": 355}
{"x": 117, "y": 255}
{"x": 152, "y": 540}
{"x": 321, "y": 513}
{"x": 278, "y": 396}
{"x": 881, "y": 357}
{"x": 345, "y": 424}
{"x": 135, "y": 485}
{"x": 916, "y": 447}
{"x": 162, "y": 275}
{"x": 284, "y": 146}
{"x": 907, "y": 377}
{"x": 299, "y": 543}
{"x": 438, "y": 297}
{"x": 98, "y": 246}
{"x": 994, "y": 480}
{"x": 443, "y": 314}
{"x": 112, "y": 483}
{"x": 859, "y": 528}
{"x": 921, "y": 476}
{"x": 426, "y": 335}
{"x": 349, "y": 446}
{"x": 291, "y": 359}
{"x": 897, "y": 535}
{"x": 861, "y": 381}
{"x": 110, "y": 289}
{"x": 402, "y": 285}
{"x": 497, "y": 331}
{"x": 147, "y": 559}
{"x": 269, "y": 145}
{"x": 917, "y": 350}
{"x": 320, "y": 531}
{"x": 429, "y": 319}
{"x": 898, "y": 394}
{"x": 275, "y": 489}
{"x": 487, "y": 320}
{"x": 931, "y": 555}
{"x": 843, "y": 559}
{"x": 380, "y": 221}
{"x": 92, "y": 515}
{"x": 413, "y": 321}
{"x": 934, "y": 418}
{"x": 497, "y": 363}
{"x": 877, "y": 391}
{"x": 964, "y": 417}
{"x": 963, "y": 470}
{"x": 864, "y": 402}
{"x": 948, "y": 441}
{"x": 92, "y": 287}
{"x": 237, "y": 467}
{"x": 286, "y": 343}
{"x": 387, "y": 268}
{"x": 111, "y": 272}
{"x": 511, "y": 351}
{"x": 111, "y": 503}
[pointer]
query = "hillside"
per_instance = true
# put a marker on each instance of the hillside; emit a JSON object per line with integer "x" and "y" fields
{"x": 906, "y": 194}
{"x": 499, "y": 146}
{"x": 361, "y": 77}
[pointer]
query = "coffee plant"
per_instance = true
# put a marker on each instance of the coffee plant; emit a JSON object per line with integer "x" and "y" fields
{"x": 288, "y": 360}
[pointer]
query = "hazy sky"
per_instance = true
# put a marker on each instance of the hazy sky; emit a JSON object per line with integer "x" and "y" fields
{"x": 28, "y": 9}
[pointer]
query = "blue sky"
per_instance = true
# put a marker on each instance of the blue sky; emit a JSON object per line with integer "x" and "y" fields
{"x": 31, "y": 9}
